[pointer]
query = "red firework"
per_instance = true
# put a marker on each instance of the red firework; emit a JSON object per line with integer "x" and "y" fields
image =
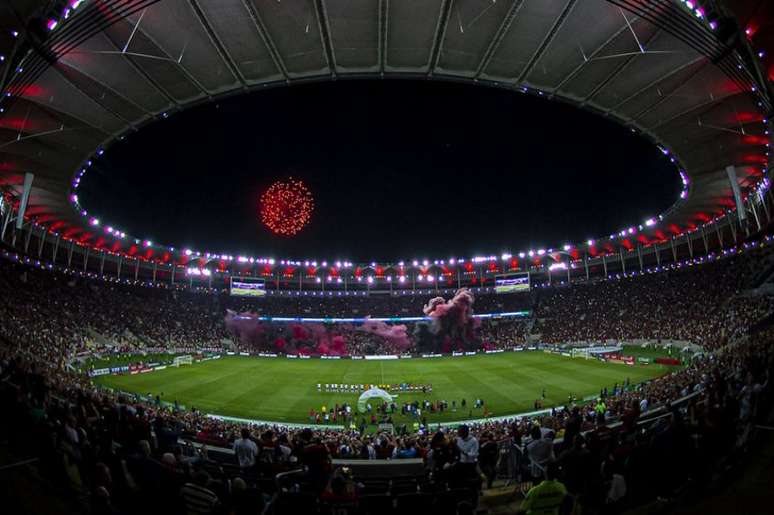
{"x": 286, "y": 207}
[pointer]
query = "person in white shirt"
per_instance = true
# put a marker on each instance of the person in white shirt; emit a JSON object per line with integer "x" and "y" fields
{"x": 468, "y": 447}
{"x": 246, "y": 450}
{"x": 540, "y": 451}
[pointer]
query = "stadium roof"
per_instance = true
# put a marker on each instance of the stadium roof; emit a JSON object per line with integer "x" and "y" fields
{"x": 681, "y": 73}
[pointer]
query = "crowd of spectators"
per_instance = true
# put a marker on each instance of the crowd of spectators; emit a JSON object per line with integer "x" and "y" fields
{"x": 698, "y": 303}
{"x": 114, "y": 447}
{"x": 703, "y": 304}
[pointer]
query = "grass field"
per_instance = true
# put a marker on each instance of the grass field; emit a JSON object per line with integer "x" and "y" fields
{"x": 283, "y": 390}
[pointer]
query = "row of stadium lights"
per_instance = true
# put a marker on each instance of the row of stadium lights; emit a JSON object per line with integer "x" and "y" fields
{"x": 182, "y": 286}
{"x": 630, "y": 231}
{"x": 53, "y": 22}
{"x": 698, "y": 11}
{"x": 95, "y": 222}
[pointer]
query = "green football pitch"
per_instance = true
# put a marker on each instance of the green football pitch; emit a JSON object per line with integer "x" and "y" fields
{"x": 283, "y": 390}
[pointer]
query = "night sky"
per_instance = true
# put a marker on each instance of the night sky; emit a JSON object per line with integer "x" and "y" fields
{"x": 399, "y": 170}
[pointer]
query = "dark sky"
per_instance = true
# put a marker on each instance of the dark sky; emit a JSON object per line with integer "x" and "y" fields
{"x": 399, "y": 170}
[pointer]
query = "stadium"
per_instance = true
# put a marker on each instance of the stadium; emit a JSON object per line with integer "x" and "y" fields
{"x": 382, "y": 256}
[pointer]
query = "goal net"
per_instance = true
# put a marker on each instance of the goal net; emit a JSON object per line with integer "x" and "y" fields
{"x": 182, "y": 360}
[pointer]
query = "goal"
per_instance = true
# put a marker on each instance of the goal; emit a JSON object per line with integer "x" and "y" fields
{"x": 182, "y": 360}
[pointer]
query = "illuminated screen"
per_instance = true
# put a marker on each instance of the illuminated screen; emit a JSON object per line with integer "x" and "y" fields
{"x": 242, "y": 289}
{"x": 512, "y": 283}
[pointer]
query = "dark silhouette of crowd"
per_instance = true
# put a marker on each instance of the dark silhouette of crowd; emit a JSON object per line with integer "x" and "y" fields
{"x": 66, "y": 314}
{"x": 122, "y": 454}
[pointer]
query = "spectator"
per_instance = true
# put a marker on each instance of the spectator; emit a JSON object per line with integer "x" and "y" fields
{"x": 197, "y": 498}
{"x": 547, "y": 497}
{"x": 540, "y": 452}
{"x": 467, "y": 445}
{"x": 246, "y": 450}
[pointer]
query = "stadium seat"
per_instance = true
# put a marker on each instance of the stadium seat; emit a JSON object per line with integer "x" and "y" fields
{"x": 375, "y": 504}
{"x": 375, "y": 486}
{"x": 293, "y": 504}
{"x": 338, "y": 508}
{"x": 414, "y": 503}
{"x": 403, "y": 486}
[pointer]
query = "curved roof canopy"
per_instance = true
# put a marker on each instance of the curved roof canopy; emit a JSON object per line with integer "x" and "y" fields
{"x": 81, "y": 75}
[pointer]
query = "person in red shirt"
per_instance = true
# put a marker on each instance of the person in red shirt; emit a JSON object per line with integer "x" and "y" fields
{"x": 341, "y": 488}
{"x": 317, "y": 459}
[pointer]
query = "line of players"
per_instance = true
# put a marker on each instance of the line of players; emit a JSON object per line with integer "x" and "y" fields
{"x": 359, "y": 388}
{"x": 418, "y": 410}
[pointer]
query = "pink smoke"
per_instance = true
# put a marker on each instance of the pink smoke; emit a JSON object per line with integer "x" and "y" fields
{"x": 457, "y": 311}
{"x": 394, "y": 334}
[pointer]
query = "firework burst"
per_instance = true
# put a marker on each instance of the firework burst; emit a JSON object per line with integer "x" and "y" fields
{"x": 286, "y": 207}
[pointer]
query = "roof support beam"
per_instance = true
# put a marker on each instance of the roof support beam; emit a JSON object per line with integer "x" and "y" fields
{"x": 440, "y": 34}
{"x": 588, "y": 58}
{"x": 142, "y": 72}
{"x": 547, "y": 40}
{"x": 325, "y": 34}
{"x": 193, "y": 80}
{"x": 498, "y": 37}
{"x": 264, "y": 34}
{"x": 384, "y": 20}
{"x": 701, "y": 106}
{"x": 97, "y": 101}
{"x": 219, "y": 46}
{"x": 610, "y": 76}
{"x": 108, "y": 88}
{"x": 654, "y": 83}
